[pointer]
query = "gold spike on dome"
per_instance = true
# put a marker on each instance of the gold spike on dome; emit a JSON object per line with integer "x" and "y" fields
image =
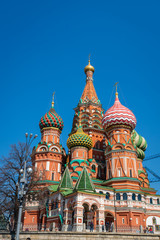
{"x": 89, "y": 67}
{"x": 116, "y": 89}
{"x": 53, "y": 100}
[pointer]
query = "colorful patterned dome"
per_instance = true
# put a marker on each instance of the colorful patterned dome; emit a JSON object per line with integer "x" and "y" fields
{"x": 118, "y": 114}
{"x": 51, "y": 119}
{"x": 139, "y": 143}
{"x": 79, "y": 139}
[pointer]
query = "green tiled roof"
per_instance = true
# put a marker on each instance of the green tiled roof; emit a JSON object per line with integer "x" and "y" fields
{"x": 84, "y": 182}
{"x": 53, "y": 188}
{"x": 66, "y": 181}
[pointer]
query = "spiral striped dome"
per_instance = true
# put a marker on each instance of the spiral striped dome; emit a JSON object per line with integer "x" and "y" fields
{"x": 138, "y": 140}
{"x": 79, "y": 139}
{"x": 118, "y": 114}
{"x": 51, "y": 119}
{"x": 139, "y": 143}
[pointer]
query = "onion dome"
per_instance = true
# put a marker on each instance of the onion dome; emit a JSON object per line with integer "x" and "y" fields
{"x": 79, "y": 139}
{"x": 51, "y": 119}
{"x": 138, "y": 140}
{"x": 89, "y": 67}
{"x": 118, "y": 114}
{"x": 139, "y": 143}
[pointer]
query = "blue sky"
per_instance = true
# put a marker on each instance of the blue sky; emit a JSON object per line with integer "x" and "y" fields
{"x": 44, "y": 47}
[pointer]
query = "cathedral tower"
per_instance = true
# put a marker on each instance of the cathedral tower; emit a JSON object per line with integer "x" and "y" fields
{"x": 120, "y": 154}
{"x": 90, "y": 111}
{"x": 48, "y": 156}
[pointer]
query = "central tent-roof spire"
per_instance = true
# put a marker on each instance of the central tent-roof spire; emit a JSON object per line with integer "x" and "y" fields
{"x": 89, "y": 93}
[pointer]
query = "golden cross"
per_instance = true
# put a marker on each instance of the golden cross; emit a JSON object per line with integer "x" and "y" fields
{"x": 116, "y": 86}
{"x": 89, "y": 58}
{"x": 53, "y": 99}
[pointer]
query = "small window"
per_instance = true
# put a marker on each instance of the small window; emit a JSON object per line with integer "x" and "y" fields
{"x": 139, "y": 197}
{"x": 52, "y": 176}
{"x": 110, "y": 174}
{"x": 130, "y": 172}
{"x": 157, "y": 200}
{"x": 118, "y": 197}
{"x": 124, "y": 196}
{"x": 52, "y": 206}
{"x": 136, "y": 220}
{"x": 151, "y": 201}
{"x": 133, "y": 196}
{"x": 100, "y": 192}
{"x": 123, "y": 220}
{"x": 93, "y": 167}
{"x": 107, "y": 195}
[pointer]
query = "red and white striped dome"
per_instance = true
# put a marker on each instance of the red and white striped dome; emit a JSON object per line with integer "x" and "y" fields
{"x": 118, "y": 114}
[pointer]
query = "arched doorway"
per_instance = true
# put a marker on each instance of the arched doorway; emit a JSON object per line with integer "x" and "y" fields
{"x": 94, "y": 215}
{"x": 85, "y": 215}
{"x": 109, "y": 222}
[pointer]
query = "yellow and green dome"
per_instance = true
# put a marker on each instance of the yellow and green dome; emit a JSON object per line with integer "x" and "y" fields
{"x": 79, "y": 139}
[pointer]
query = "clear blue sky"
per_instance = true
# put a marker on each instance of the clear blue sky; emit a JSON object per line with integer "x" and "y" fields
{"x": 44, "y": 47}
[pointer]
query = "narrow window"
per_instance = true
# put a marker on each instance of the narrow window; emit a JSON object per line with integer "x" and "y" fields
{"x": 136, "y": 220}
{"x": 52, "y": 176}
{"x": 124, "y": 196}
{"x": 151, "y": 201}
{"x": 123, "y": 220}
{"x": 118, "y": 196}
{"x": 133, "y": 197}
{"x": 139, "y": 197}
{"x": 107, "y": 195}
{"x": 130, "y": 172}
{"x": 157, "y": 200}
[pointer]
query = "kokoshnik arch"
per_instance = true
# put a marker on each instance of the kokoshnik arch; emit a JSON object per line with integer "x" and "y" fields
{"x": 101, "y": 179}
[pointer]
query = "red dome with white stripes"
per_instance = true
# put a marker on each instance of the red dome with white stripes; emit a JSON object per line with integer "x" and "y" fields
{"x": 118, "y": 114}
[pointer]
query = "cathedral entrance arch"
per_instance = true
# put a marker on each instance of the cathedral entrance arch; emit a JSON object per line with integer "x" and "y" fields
{"x": 109, "y": 222}
{"x": 86, "y": 214}
{"x": 94, "y": 215}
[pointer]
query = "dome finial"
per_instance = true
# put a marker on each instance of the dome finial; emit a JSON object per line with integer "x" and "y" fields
{"x": 53, "y": 100}
{"x": 116, "y": 88}
{"x": 89, "y": 67}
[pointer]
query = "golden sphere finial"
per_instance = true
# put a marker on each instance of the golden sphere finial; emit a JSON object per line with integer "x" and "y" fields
{"x": 89, "y": 67}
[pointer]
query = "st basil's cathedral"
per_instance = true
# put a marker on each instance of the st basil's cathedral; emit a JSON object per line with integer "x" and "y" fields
{"x": 100, "y": 181}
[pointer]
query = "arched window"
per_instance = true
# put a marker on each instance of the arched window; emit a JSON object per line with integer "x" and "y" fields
{"x": 157, "y": 200}
{"x": 139, "y": 197}
{"x": 93, "y": 167}
{"x": 133, "y": 196}
{"x": 107, "y": 195}
{"x": 118, "y": 197}
{"x": 56, "y": 205}
{"x": 52, "y": 206}
{"x": 100, "y": 192}
{"x": 124, "y": 196}
{"x": 151, "y": 201}
{"x": 99, "y": 171}
{"x": 97, "y": 145}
